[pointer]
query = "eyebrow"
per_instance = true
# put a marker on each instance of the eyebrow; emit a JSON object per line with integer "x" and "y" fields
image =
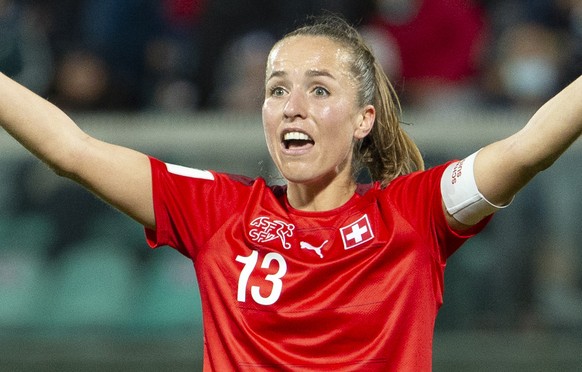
{"x": 315, "y": 73}
{"x": 310, "y": 73}
{"x": 275, "y": 74}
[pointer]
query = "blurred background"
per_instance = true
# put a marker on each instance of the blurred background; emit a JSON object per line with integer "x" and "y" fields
{"x": 183, "y": 80}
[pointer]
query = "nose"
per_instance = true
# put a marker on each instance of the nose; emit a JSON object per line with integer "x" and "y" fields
{"x": 296, "y": 105}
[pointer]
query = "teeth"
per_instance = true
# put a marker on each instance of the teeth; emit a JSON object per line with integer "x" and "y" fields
{"x": 297, "y": 136}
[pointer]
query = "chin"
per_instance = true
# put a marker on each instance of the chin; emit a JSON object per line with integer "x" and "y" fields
{"x": 308, "y": 178}
{"x": 293, "y": 177}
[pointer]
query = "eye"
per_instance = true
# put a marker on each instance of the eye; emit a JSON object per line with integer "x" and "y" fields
{"x": 277, "y": 91}
{"x": 320, "y": 91}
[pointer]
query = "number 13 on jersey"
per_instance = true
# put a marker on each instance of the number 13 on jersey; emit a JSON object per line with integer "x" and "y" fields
{"x": 250, "y": 264}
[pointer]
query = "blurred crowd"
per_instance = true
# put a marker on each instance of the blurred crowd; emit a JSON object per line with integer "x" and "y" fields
{"x": 191, "y": 55}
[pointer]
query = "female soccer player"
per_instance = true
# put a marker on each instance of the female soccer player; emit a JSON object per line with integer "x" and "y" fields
{"x": 322, "y": 273}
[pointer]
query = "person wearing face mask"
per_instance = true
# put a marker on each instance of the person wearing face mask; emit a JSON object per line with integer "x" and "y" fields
{"x": 322, "y": 271}
{"x": 529, "y": 65}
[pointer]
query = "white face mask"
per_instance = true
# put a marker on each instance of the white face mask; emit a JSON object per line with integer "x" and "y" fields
{"x": 531, "y": 78}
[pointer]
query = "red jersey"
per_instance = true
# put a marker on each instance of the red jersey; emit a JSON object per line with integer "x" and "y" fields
{"x": 354, "y": 288}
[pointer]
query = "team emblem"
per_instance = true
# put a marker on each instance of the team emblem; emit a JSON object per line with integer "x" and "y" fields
{"x": 357, "y": 233}
{"x": 267, "y": 230}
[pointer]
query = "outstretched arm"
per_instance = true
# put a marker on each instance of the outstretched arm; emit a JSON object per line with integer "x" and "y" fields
{"x": 502, "y": 168}
{"x": 118, "y": 175}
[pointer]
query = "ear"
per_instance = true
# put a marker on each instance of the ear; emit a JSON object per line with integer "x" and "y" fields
{"x": 366, "y": 121}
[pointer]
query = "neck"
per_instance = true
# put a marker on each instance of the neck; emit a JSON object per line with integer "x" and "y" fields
{"x": 318, "y": 198}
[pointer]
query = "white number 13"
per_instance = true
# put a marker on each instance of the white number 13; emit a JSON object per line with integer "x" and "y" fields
{"x": 250, "y": 263}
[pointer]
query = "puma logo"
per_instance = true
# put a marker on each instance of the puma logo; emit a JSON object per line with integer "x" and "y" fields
{"x": 317, "y": 250}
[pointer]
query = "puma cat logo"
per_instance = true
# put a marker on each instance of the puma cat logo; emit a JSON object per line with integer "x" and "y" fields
{"x": 317, "y": 250}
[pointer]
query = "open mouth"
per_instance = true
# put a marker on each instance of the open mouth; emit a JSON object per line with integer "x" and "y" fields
{"x": 294, "y": 140}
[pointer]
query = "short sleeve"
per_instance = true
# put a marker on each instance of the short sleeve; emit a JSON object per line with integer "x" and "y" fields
{"x": 417, "y": 197}
{"x": 189, "y": 205}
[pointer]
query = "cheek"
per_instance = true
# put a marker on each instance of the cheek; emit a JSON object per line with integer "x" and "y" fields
{"x": 338, "y": 123}
{"x": 269, "y": 125}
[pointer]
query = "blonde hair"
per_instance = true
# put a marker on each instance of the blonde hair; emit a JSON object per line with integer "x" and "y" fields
{"x": 387, "y": 152}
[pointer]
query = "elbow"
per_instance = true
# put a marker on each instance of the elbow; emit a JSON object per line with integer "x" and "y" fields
{"x": 544, "y": 164}
{"x": 67, "y": 161}
{"x": 60, "y": 171}
{"x": 537, "y": 163}
{"x": 533, "y": 158}
{"x": 59, "y": 168}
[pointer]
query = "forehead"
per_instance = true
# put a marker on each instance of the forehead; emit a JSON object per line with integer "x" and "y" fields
{"x": 308, "y": 52}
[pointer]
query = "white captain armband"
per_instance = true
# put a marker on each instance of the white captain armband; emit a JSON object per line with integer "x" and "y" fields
{"x": 461, "y": 197}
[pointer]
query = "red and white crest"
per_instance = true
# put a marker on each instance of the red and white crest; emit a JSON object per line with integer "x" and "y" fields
{"x": 357, "y": 233}
{"x": 267, "y": 230}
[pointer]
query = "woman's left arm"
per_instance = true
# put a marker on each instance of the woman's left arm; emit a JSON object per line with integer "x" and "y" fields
{"x": 502, "y": 168}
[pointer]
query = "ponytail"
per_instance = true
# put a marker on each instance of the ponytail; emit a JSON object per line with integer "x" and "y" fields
{"x": 388, "y": 151}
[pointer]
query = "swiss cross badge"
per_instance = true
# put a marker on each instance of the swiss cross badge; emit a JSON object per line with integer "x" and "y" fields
{"x": 357, "y": 233}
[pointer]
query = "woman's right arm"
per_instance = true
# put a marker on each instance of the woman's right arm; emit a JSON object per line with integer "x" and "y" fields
{"x": 118, "y": 175}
